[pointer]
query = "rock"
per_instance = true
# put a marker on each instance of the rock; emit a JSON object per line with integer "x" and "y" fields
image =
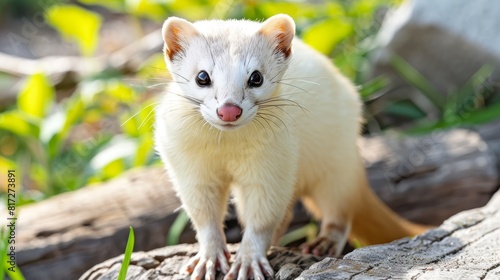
{"x": 463, "y": 247}
{"x": 165, "y": 263}
{"x": 447, "y": 41}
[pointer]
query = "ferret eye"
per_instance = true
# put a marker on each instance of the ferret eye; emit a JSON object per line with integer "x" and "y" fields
{"x": 203, "y": 79}
{"x": 256, "y": 79}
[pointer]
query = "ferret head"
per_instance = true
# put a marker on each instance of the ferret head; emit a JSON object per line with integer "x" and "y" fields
{"x": 228, "y": 68}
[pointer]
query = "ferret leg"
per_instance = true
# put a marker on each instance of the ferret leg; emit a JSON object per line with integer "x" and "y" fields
{"x": 205, "y": 203}
{"x": 284, "y": 225}
{"x": 261, "y": 208}
{"x": 329, "y": 202}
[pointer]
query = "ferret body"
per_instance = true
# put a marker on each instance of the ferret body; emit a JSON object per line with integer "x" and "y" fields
{"x": 257, "y": 114}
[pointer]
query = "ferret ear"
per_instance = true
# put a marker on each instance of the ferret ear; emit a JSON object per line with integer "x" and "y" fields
{"x": 176, "y": 31}
{"x": 280, "y": 29}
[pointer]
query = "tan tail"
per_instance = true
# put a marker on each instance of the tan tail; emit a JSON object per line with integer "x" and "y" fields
{"x": 375, "y": 223}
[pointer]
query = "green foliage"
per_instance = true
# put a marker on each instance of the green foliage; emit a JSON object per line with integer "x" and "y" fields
{"x": 308, "y": 232}
{"x": 77, "y": 24}
{"x": 465, "y": 105}
{"x": 128, "y": 254}
{"x": 62, "y": 147}
{"x": 178, "y": 226}
{"x": 13, "y": 272}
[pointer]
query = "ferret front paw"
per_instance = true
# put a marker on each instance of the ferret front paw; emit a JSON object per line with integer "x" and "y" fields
{"x": 250, "y": 267}
{"x": 205, "y": 264}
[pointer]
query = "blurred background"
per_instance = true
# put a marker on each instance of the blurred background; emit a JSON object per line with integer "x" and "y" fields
{"x": 79, "y": 80}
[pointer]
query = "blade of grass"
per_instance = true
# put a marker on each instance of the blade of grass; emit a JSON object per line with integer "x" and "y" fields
{"x": 127, "y": 256}
{"x": 368, "y": 89}
{"x": 417, "y": 80}
{"x": 308, "y": 232}
{"x": 13, "y": 272}
{"x": 177, "y": 228}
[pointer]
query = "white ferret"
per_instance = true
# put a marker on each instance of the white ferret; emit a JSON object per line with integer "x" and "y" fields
{"x": 255, "y": 113}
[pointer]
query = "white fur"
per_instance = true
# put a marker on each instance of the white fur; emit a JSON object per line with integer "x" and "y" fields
{"x": 268, "y": 161}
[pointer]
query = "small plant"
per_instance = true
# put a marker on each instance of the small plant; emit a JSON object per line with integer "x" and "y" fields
{"x": 7, "y": 266}
{"x": 128, "y": 254}
{"x": 466, "y": 105}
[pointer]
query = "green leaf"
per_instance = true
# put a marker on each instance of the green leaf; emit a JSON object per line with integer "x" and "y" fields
{"x": 295, "y": 10}
{"x": 117, "y": 5}
{"x": 404, "y": 109}
{"x": 326, "y": 34}
{"x": 50, "y": 132}
{"x": 7, "y": 164}
{"x": 307, "y": 232}
{"x": 120, "y": 91}
{"x": 127, "y": 256}
{"x": 77, "y": 24}
{"x": 472, "y": 91}
{"x": 372, "y": 86}
{"x": 19, "y": 123}
{"x": 4, "y": 250}
{"x": 144, "y": 150}
{"x": 116, "y": 149}
{"x": 148, "y": 8}
{"x": 175, "y": 231}
{"x": 484, "y": 115}
{"x": 36, "y": 96}
{"x": 414, "y": 78}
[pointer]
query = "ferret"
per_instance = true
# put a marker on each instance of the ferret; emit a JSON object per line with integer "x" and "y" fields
{"x": 255, "y": 113}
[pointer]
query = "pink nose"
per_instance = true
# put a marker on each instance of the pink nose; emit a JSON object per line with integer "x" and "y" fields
{"x": 229, "y": 112}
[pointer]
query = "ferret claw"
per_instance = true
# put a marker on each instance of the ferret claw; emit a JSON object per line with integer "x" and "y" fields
{"x": 250, "y": 269}
{"x": 203, "y": 266}
{"x": 321, "y": 246}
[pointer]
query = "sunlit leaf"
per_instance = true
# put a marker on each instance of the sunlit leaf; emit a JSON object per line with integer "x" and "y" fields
{"x": 52, "y": 125}
{"x": 295, "y": 10}
{"x": 303, "y": 232}
{"x": 75, "y": 110}
{"x": 117, "y": 5}
{"x": 326, "y": 34}
{"x": 151, "y": 9}
{"x": 117, "y": 148}
{"x": 144, "y": 150}
{"x": 50, "y": 132}
{"x": 113, "y": 168}
{"x": 36, "y": 96}
{"x": 7, "y": 164}
{"x": 77, "y": 24}
{"x": 19, "y": 123}
{"x": 120, "y": 91}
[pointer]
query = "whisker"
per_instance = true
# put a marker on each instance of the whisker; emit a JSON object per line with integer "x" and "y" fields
{"x": 299, "y": 80}
{"x": 291, "y": 85}
{"x": 268, "y": 124}
{"x": 179, "y": 75}
{"x": 148, "y": 117}
{"x": 279, "y": 119}
{"x": 152, "y": 104}
{"x": 284, "y": 69}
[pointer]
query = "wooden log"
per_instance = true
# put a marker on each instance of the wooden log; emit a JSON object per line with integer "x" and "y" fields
{"x": 466, "y": 246}
{"x": 66, "y": 71}
{"x": 59, "y": 238}
{"x": 62, "y": 237}
{"x": 463, "y": 247}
